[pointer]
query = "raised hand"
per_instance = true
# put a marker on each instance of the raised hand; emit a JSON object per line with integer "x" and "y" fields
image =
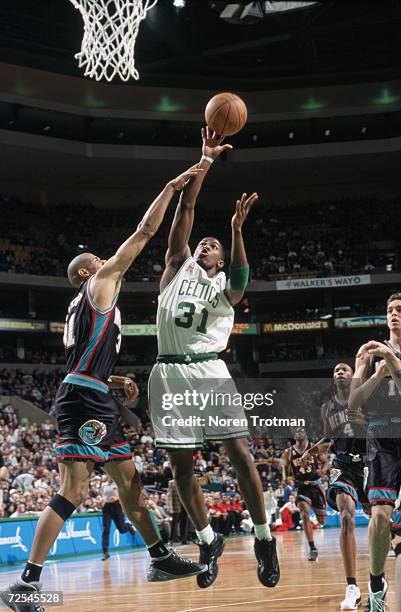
{"x": 180, "y": 181}
{"x": 242, "y": 208}
{"x": 212, "y": 143}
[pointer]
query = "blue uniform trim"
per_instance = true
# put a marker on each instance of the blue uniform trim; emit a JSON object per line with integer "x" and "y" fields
{"x": 379, "y": 495}
{"x": 396, "y": 520}
{"x": 85, "y": 452}
{"x": 86, "y": 381}
{"x": 98, "y": 328}
{"x": 345, "y": 487}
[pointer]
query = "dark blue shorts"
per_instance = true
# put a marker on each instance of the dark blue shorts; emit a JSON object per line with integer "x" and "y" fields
{"x": 76, "y": 407}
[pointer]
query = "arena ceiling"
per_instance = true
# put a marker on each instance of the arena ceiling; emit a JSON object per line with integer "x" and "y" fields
{"x": 333, "y": 42}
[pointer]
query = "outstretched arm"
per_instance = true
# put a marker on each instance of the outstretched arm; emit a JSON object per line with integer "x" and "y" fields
{"x": 106, "y": 282}
{"x": 178, "y": 249}
{"x": 239, "y": 268}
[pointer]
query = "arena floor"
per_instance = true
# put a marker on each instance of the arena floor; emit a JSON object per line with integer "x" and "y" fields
{"x": 119, "y": 583}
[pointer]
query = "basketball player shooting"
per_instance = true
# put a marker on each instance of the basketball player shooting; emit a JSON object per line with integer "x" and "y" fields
{"x": 89, "y": 418}
{"x": 194, "y": 321}
{"x": 377, "y": 386}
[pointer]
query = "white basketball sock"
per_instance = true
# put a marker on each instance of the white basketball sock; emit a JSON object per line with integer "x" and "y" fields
{"x": 206, "y": 535}
{"x": 262, "y": 532}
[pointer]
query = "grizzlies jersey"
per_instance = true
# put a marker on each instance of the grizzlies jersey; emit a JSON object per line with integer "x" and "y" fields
{"x": 194, "y": 314}
{"x": 347, "y": 438}
{"x": 92, "y": 339}
{"x": 385, "y": 402}
{"x": 303, "y": 473}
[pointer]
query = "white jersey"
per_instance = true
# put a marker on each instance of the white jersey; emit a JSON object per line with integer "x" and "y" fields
{"x": 194, "y": 314}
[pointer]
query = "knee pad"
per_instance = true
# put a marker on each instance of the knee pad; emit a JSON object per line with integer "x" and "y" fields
{"x": 62, "y": 506}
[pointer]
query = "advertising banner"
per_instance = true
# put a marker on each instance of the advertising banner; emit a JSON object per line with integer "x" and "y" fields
{"x": 22, "y": 325}
{"x": 366, "y": 321}
{"x": 246, "y": 329}
{"x": 294, "y": 326}
{"x": 322, "y": 283}
{"x": 140, "y": 329}
{"x": 80, "y": 535}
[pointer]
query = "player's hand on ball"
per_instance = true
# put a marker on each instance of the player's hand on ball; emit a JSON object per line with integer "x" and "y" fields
{"x": 212, "y": 143}
{"x": 378, "y": 349}
{"x": 180, "y": 181}
{"x": 382, "y": 369}
{"x": 242, "y": 208}
{"x": 131, "y": 392}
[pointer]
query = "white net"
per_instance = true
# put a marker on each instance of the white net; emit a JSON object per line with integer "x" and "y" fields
{"x": 110, "y": 32}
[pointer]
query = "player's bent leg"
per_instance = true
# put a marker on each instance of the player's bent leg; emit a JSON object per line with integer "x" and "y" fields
{"x": 346, "y": 507}
{"x": 74, "y": 484}
{"x": 165, "y": 563}
{"x": 251, "y": 488}
{"x": 211, "y": 544}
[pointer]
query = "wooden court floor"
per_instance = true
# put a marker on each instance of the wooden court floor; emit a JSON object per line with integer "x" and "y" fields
{"x": 118, "y": 585}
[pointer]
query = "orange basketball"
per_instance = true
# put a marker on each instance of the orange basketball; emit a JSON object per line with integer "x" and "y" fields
{"x": 226, "y": 114}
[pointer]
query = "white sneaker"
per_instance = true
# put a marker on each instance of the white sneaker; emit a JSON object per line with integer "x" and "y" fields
{"x": 352, "y": 598}
{"x": 376, "y": 600}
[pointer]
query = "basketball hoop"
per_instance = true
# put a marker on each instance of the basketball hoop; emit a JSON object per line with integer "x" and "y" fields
{"x": 110, "y": 31}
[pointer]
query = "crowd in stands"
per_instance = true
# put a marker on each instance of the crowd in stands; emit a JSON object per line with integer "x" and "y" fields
{"x": 29, "y": 478}
{"x": 40, "y": 387}
{"x": 305, "y": 239}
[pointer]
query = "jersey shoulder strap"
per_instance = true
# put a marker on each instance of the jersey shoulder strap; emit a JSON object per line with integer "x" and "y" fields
{"x": 92, "y": 303}
{"x": 178, "y": 271}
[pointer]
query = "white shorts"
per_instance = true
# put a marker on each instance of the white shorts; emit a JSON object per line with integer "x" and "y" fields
{"x": 192, "y": 403}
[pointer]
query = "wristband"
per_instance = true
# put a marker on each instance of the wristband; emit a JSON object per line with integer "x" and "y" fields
{"x": 207, "y": 158}
{"x": 239, "y": 278}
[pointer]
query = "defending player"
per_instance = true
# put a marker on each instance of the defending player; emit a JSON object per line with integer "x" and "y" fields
{"x": 307, "y": 472}
{"x": 377, "y": 385}
{"x": 194, "y": 321}
{"x": 347, "y": 440}
{"x": 88, "y": 417}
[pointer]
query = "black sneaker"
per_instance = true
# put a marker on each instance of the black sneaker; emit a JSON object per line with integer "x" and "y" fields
{"x": 268, "y": 565}
{"x": 313, "y": 554}
{"x": 106, "y": 556}
{"x": 22, "y": 587}
{"x": 173, "y": 567}
{"x": 209, "y": 553}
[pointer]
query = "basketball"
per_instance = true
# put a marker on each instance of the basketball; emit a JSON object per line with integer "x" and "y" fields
{"x": 226, "y": 114}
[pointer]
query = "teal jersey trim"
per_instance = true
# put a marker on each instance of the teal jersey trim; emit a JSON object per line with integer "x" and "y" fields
{"x": 86, "y": 381}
